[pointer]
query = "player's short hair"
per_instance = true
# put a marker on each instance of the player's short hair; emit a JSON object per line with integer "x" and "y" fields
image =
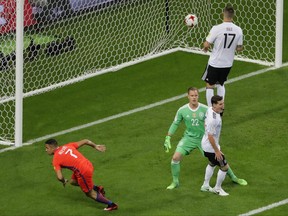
{"x": 192, "y": 89}
{"x": 51, "y": 142}
{"x": 215, "y": 99}
{"x": 229, "y": 11}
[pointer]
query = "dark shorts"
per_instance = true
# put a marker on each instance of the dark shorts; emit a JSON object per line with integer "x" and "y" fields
{"x": 213, "y": 161}
{"x": 214, "y": 75}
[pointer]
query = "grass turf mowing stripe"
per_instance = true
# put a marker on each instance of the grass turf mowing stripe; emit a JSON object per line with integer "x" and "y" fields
{"x": 136, "y": 110}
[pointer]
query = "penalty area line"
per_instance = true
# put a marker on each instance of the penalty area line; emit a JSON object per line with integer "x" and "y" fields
{"x": 150, "y": 106}
{"x": 159, "y": 103}
{"x": 265, "y": 208}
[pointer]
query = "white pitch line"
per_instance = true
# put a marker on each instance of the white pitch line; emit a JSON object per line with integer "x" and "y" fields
{"x": 134, "y": 110}
{"x": 265, "y": 208}
{"x": 141, "y": 108}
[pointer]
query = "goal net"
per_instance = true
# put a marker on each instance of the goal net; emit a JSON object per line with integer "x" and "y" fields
{"x": 71, "y": 40}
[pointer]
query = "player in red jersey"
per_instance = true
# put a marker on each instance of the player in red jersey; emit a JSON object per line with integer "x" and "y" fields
{"x": 67, "y": 156}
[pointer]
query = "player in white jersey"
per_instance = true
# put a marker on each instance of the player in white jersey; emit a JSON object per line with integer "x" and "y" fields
{"x": 226, "y": 39}
{"x": 193, "y": 115}
{"x": 211, "y": 147}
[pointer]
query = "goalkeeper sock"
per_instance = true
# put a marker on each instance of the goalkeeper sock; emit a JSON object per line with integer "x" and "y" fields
{"x": 100, "y": 198}
{"x": 175, "y": 170}
{"x": 209, "y": 95}
{"x": 231, "y": 174}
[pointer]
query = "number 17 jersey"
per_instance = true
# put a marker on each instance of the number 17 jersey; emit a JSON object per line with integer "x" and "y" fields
{"x": 225, "y": 37}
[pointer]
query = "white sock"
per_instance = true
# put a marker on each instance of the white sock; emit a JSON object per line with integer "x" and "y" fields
{"x": 221, "y": 90}
{"x": 208, "y": 174}
{"x": 220, "y": 178}
{"x": 209, "y": 95}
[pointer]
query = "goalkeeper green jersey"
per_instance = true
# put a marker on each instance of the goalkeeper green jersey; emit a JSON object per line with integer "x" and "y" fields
{"x": 193, "y": 119}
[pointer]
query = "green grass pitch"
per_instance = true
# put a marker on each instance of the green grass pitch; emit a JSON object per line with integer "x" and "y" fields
{"x": 135, "y": 170}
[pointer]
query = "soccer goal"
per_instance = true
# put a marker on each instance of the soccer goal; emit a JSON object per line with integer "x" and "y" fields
{"x": 71, "y": 40}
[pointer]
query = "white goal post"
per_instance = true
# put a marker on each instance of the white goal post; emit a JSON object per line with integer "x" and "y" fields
{"x": 47, "y": 44}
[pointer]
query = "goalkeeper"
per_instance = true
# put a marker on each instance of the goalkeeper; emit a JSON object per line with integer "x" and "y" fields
{"x": 193, "y": 115}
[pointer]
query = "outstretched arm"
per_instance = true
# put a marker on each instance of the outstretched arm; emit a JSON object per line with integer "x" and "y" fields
{"x": 101, "y": 148}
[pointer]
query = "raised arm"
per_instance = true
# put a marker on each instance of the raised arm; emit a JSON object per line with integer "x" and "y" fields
{"x": 101, "y": 148}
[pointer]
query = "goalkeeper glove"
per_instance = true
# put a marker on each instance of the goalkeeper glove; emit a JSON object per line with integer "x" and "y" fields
{"x": 167, "y": 144}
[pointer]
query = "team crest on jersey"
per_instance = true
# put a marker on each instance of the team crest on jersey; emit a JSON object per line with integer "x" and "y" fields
{"x": 201, "y": 114}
